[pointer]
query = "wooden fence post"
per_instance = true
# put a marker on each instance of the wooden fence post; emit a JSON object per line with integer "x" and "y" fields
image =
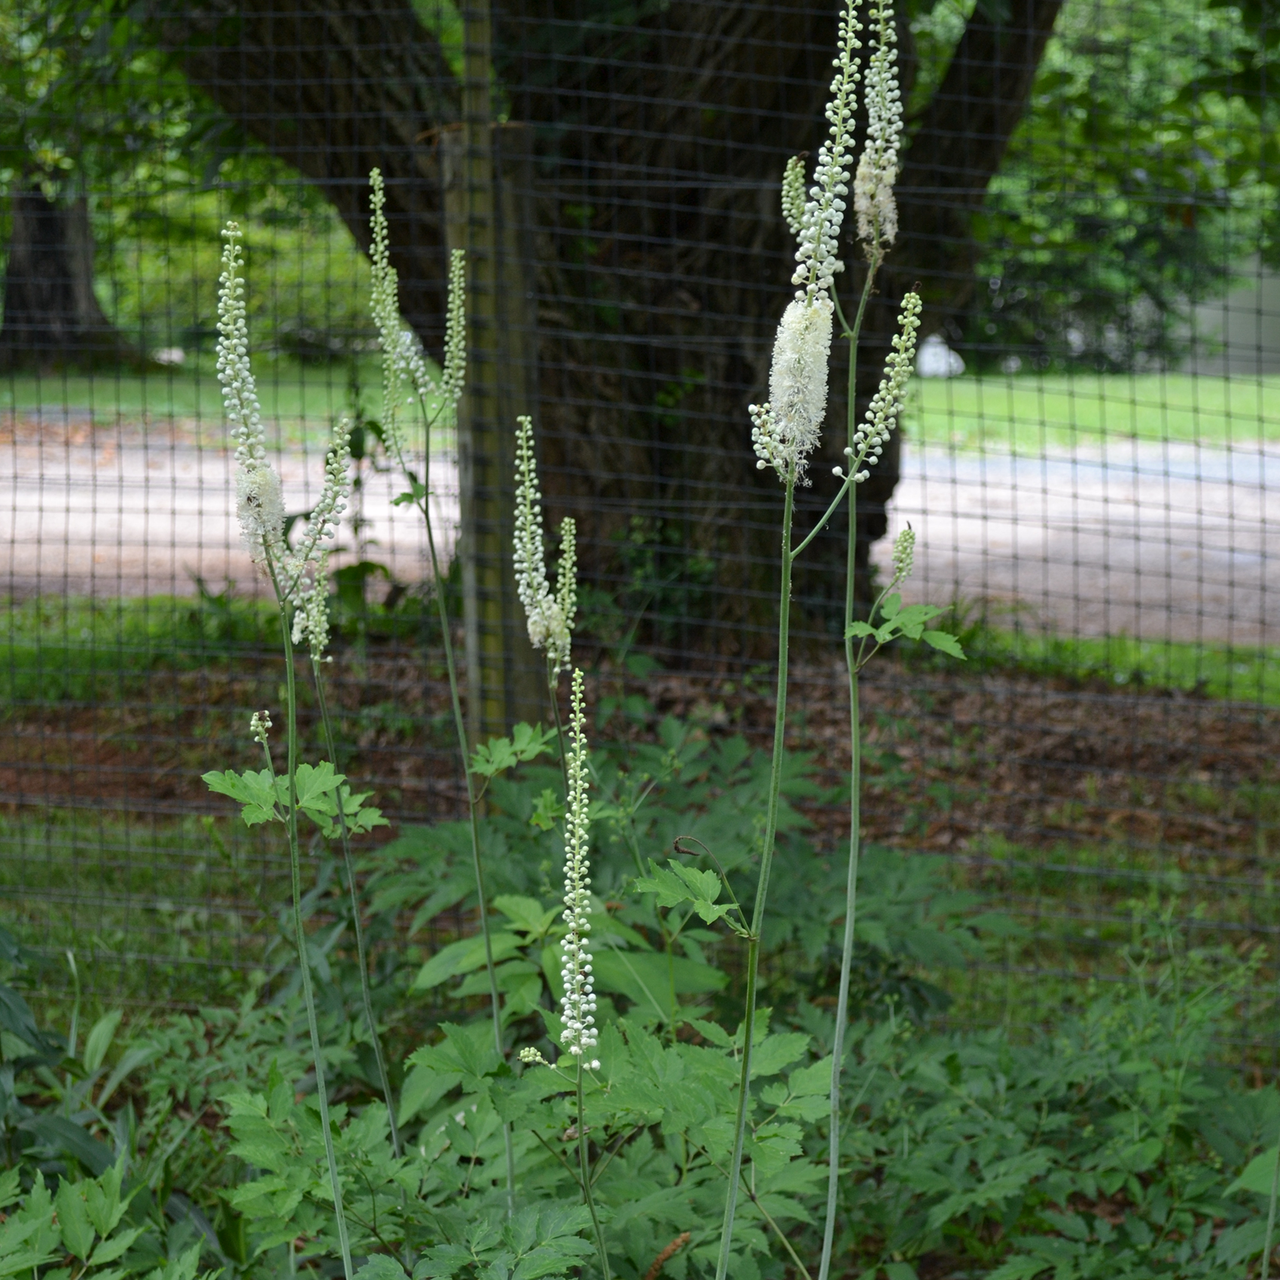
{"x": 486, "y": 170}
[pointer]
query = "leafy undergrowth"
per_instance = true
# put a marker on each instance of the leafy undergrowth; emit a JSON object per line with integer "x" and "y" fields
{"x": 1108, "y": 1144}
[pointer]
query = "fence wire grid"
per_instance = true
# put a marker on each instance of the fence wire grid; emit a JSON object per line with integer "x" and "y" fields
{"x": 1088, "y": 205}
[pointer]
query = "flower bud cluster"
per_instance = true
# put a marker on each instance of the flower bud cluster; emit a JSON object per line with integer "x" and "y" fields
{"x": 878, "y": 165}
{"x": 559, "y": 649}
{"x": 531, "y": 1057}
{"x": 549, "y": 617}
{"x": 455, "y": 331}
{"x": 904, "y": 554}
{"x": 869, "y": 440}
{"x": 403, "y": 363}
{"x": 260, "y": 726}
{"x": 793, "y": 200}
{"x": 579, "y": 1004}
{"x": 823, "y": 215}
{"x": 239, "y": 392}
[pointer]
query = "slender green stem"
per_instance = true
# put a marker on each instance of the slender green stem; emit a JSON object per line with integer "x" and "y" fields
{"x": 553, "y": 692}
{"x": 830, "y": 511}
{"x": 362, "y": 959}
{"x": 1271, "y": 1218}
{"x": 304, "y": 960}
{"x": 762, "y": 888}
{"x": 855, "y": 801}
{"x": 460, "y": 728}
{"x": 584, "y": 1164}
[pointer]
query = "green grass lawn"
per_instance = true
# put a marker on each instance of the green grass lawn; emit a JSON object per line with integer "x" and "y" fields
{"x": 1026, "y": 413}
{"x": 292, "y": 394}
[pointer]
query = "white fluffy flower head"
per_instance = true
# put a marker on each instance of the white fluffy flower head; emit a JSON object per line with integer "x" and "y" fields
{"x": 549, "y": 617}
{"x": 873, "y": 199}
{"x": 579, "y": 1004}
{"x": 787, "y": 428}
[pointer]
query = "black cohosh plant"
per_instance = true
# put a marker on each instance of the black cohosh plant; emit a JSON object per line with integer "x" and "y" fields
{"x": 786, "y": 430}
{"x": 593, "y": 1120}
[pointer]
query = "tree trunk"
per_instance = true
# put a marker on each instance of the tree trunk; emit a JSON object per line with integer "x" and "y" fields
{"x": 663, "y": 261}
{"x": 52, "y": 318}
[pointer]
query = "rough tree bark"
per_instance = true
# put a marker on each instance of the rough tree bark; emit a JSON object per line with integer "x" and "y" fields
{"x": 662, "y": 261}
{"x": 52, "y": 317}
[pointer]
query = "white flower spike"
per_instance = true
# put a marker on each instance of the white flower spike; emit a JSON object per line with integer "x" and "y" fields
{"x": 786, "y": 429}
{"x": 878, "y": 165}
{"x": 882, "y": 413}
{"x": 299, "y": 575}
{"x": 549, "y": 617}
{"x": 404, "y": 366}
{"x": 579, "y": 1004}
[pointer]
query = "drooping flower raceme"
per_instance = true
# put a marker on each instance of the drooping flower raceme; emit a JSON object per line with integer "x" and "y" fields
{"x": 404, "y": 367}
{"x": 299, "y": 575}
{"x": 549, "y": 617}
{"x": 869, "y": 440}
{"x": 579, "y": 1004}
{"x": 786, "y": 429}
{"x": 259, "y": 500}
{"x": 878, "y": 165}
{"x": 793, "y": 195}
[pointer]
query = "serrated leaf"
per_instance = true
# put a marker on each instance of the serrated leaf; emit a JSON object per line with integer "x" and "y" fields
{"x": 526, "y": 914}
{"x": 910, "y": 621}
{"x": 775, "y": 1052}
{"x": 381, "y": 1267}
{"x": 73, "y": 1219}
{"x": 1257, "y": 1175}
{"x": 859, "y": 629}
{"x": 944, "y": 641}
{"x": 255, "y": 791}
{"x": 110, "y": 1250}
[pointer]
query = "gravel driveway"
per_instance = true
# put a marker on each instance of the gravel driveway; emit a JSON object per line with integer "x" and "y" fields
{"x": 1156, "y": 541}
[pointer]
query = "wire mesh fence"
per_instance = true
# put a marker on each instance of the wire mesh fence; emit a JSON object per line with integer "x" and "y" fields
{"x": 1089, "y": 457}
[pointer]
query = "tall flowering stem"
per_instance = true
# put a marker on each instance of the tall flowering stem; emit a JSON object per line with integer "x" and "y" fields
{"x": 549, "y": 616}
{"x": 260, "y": 508}
{"x": 405, "y": 377}
{"x": 785, "y": 431}
{"x": 762, "y": 887}
{"x": 578, "y": 1036}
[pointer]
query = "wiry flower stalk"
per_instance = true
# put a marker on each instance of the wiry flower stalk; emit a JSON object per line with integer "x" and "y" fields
{"x": 578, "y": 1034}
{"x": 873, "y": 199}
{"x": 260, "y": 507}
{"x": 402, "y": 364}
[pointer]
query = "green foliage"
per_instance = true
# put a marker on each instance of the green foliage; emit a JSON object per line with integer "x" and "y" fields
{"x": 1137, "y": 182}
{"x": 317, "y": 790}
{"x": 897, "y": 620}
